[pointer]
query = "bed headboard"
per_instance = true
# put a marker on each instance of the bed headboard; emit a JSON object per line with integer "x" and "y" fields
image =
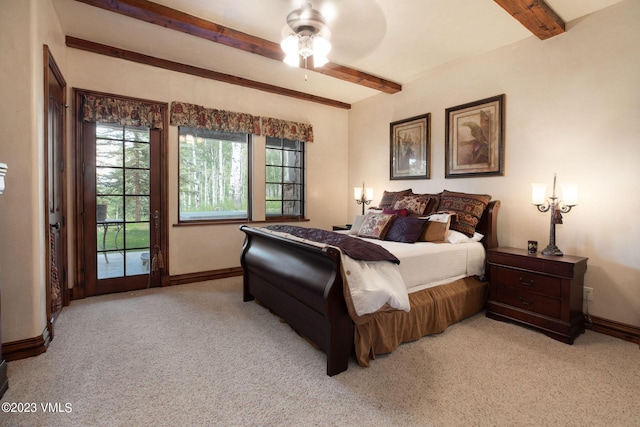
{"x": 488, "y": 225}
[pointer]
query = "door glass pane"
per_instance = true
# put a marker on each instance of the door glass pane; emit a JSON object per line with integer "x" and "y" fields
{"x": 108, "y": 181}
{"x": 136, "y": 181}
{"x": 137, "y": 155}
{"x": 137, "y": 235}
{"x": 122, "y": 201}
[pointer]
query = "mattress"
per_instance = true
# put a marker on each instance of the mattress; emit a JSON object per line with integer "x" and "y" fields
{"x": 426, "y": 264}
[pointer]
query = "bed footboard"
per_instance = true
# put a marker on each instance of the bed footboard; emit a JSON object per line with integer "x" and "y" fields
{"x": 302, "y": 284}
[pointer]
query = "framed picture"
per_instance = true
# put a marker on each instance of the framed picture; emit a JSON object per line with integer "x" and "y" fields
{"x": 410, "y": 148}
{"x": 474, "y": 139}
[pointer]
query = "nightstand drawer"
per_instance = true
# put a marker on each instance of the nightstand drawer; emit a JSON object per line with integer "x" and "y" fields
{"x": 528, "y": 301}
{"x": 531, "y": 282}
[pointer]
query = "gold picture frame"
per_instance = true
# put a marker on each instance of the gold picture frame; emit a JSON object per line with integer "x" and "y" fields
{"x": 410, "y": 148}
{"x": 474, "y": 139}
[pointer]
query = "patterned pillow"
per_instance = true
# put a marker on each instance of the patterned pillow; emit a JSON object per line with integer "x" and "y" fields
{"x": 432, "y": 206}
{"x": 389, "y": 196}
{"x": 469, "y": 209}
{"x": 406, "y": 229}
{"x": 415, "y": 204}
{"x": 376, "y": 225}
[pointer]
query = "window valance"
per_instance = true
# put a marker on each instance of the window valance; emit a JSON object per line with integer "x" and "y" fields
{"x": 185, "y": 114}
{"x": 128, "y": 112}
{"x": 277, "y": 128}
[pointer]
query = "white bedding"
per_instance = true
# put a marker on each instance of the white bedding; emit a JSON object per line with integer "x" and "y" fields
{"x": 422, "y": 265}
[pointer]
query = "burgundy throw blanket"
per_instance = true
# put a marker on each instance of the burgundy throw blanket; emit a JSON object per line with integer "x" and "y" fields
{"x": 355, "y": 248}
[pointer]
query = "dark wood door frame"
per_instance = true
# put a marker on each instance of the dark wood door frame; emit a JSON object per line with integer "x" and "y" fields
{"x": 56, "y": 191}
{"x": 80, "y": 280}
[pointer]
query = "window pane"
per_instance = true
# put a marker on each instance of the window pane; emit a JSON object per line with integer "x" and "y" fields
{"x": 136, "y": 181}
{"x": 274, "y": 174}
{"x": 109, "y": 131}
{"x": 214, "y": 175}
{"x": 291, "y": 175}
{"x": 113, "y": 207}
{"x": 274, "y": 191}
{"x": 290, "y": 192}
{"x": 137, "y": 235}
{"x": 274, "y": 157}
{"x": 274, "y": 207}
{"x": 141, "y": 134}
{"x": 137, "y": 155}
{"x": 292, "y": 158}
{"x": 137, "y": 208}
{"x": 108, "y": 152}
{"x": 291, "y": 145}
{"x": 109, "y": 181}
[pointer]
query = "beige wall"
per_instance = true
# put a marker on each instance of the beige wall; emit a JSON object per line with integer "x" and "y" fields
{"x": 572, "y": 107}
{"x": 25, "y": 25}
{"x": 202, "y": 248}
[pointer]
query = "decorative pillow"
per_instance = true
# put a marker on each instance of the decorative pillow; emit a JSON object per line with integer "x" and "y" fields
{"x": 400, "y": 212}
{"x": 376, "y": 225}
{"x": 406, "y": 229}
{"x": 415, "y": 204}
{"x": 357, "y": 223}
{"x": 437, "y": 228}
{"x": 432, "y": 206}
{"x": 389, "y": 196}
{"x": 469, "y": 209}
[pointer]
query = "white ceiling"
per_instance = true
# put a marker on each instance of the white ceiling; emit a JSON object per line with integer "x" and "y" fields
{"x": 397, "y": 40}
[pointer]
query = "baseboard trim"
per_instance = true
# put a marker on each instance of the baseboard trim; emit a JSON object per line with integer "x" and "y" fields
{"x": 181, "y": 279}
{"x": 613, "y": 328}
{"x": 30, "y": 347}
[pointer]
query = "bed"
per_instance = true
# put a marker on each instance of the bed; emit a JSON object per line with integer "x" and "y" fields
{"x": 304, "y": 284}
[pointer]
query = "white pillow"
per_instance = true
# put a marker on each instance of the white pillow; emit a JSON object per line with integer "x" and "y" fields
{"x": 454, "y": 236}
{"x": 357, "y": 223}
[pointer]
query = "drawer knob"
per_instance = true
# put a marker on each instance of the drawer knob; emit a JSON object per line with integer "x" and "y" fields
{"x": 530, "y": 302}
{"x": 525, "y": 282}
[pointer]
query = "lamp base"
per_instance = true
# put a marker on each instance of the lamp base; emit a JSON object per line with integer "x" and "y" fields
{"x": 552, "y": 250}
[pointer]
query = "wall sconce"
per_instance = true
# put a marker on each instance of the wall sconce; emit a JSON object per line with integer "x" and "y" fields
{"x": 557, "y": 208}
{"x": 363, "y": 195}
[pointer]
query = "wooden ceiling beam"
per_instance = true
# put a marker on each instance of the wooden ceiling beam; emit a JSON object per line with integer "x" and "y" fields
{"x": 167, "y": 17}
{"x": 536, "y": 16}
{"x": 140, "y": 58}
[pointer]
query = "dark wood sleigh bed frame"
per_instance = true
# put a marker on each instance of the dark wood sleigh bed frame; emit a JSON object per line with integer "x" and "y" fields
{"x": 303, "y": 284}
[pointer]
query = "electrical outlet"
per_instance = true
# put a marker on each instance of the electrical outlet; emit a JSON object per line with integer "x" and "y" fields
{"x": 587, "y": 294}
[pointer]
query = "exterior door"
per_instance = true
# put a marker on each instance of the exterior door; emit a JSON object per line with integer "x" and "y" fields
{"x": 57, "y": 290}
{"x": 122, "y": 209}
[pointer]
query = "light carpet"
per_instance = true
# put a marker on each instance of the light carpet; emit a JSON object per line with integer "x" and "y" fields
{"x": 197, "y": 355}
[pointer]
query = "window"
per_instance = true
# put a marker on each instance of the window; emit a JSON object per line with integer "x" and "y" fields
{"x": 214, "y": 175}
{"x": 284, "y": 178}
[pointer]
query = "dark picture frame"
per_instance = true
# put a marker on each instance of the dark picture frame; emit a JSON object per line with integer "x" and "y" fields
{"x": 410, "y": 148}
{"x": 474, "y": 139}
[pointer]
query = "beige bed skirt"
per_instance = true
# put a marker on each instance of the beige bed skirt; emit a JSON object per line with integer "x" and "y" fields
{"x": 432, "y": 311}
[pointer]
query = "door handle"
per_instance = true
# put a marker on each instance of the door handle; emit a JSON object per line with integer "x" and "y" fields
{"x": 56, "y": 226}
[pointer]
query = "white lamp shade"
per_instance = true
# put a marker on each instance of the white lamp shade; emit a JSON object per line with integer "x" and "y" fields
{"x": 357, "y": 193}
{"x": 538, "y": 193}
{"x": 321, "y": 48}
{"x": 569, "y": 194}
{"x": 369, "y": 193}
{"x": 289, "y": 45}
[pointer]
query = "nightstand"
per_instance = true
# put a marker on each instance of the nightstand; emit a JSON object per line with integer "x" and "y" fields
{"x": 539, "y": 291}
{"x": 342, "y": 227}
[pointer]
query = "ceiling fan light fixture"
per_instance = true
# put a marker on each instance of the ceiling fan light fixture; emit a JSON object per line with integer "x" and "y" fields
{"x": 308, "y": 36}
